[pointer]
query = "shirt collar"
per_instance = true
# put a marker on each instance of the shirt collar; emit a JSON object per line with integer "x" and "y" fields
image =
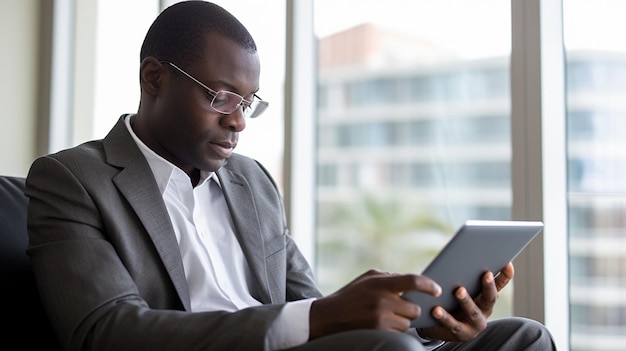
{"x": 163, "y": 169}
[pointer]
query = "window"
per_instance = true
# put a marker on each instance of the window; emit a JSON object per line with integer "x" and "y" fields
{"x": 596, "y": 134}
{"x": 416, "y": 112}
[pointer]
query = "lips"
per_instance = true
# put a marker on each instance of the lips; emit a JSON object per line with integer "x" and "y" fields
{"x": 222, "y": 149}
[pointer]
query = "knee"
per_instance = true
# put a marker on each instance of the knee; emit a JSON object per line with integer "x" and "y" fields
{"x": 397, "y": 342}
{"x": 388, "y": 341}
{"x": 539, "y": 336}
{"x": 531, "y": 333}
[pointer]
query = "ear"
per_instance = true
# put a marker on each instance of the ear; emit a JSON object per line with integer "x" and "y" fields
{"x": 152, "y": 76}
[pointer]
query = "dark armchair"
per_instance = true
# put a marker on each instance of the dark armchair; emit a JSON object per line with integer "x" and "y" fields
{"x": 25, "y": 325}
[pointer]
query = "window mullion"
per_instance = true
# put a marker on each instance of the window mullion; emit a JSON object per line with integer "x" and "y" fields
{"x": 299, "y": 159}
{"x": 539, "y": 162}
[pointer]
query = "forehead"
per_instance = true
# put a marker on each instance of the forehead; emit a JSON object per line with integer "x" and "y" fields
{"x": 225, "y": 63}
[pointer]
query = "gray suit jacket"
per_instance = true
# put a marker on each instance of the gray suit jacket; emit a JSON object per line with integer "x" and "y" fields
{"x": 108, "y": 265}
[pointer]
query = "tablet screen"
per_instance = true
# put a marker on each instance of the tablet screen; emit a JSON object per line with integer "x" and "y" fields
{"x": 477, "y": 247}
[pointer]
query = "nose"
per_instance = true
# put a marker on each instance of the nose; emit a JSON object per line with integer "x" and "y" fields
{"x": 235, "y": 121}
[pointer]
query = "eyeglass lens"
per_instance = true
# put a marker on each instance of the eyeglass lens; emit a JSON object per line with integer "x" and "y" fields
{"x": 227, "y": 102}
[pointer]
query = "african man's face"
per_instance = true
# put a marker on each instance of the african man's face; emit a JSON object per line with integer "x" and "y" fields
{"x": 189, "y": 132}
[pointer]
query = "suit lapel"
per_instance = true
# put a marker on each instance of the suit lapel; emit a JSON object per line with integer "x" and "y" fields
{"x": 136, "y": 183}
{"x": 247, "y": 229}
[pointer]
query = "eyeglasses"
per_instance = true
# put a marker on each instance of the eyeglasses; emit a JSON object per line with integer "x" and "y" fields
{"x": 227, "y": 102}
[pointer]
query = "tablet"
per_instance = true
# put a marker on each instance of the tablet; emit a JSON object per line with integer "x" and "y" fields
{"x": 477, "y": 247}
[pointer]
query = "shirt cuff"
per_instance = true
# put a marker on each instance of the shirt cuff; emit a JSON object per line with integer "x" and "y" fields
{"x": 291, "y": 328}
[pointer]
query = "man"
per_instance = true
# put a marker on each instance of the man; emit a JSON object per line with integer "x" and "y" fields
{"x": 159, "y": 237}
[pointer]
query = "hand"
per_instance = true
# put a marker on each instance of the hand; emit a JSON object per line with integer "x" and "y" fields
{"x": 472, "y": 316}
{"x": 371, "y": 301}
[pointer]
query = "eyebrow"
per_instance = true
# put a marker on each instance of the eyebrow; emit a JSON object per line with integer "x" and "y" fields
{"x": 233, "y": 89}
{"x": 228, "y": 86}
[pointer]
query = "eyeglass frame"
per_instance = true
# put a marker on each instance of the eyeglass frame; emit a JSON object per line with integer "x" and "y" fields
{"x": 258, "y": 110}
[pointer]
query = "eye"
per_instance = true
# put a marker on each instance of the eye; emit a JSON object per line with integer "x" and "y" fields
{"x": 220, "y": 99}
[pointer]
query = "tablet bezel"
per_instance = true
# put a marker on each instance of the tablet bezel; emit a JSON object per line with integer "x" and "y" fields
{"x": 478, "y": 246}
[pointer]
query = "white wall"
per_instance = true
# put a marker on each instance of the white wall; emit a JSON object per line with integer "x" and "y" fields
{"x": 19, "y": 31}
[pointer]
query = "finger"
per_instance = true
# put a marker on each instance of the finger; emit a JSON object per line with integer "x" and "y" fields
{"x": 471, "y": 312}
{"x": 410, "y": 282}
{"x": 465, "y": 327}
{"x": 504, "y": 276}
{"x": 489, "y": 295}
{"x": 395, "y": 313}
{"x": 405, "y": 309}
{"x": 450, "y": 329}
{"x": 397, "y": 323}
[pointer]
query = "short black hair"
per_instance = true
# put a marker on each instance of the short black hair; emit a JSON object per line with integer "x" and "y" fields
{"x": 177, "y": 34}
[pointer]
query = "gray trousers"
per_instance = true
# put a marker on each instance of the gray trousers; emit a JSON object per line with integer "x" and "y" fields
{"x": 506, "y": 334}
